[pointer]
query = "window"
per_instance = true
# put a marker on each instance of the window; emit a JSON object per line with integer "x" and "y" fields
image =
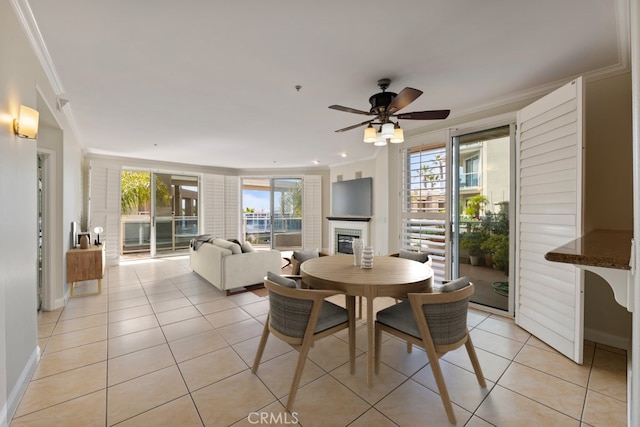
{"x": 424, "y": 204}
{"x": 469, "y": 175}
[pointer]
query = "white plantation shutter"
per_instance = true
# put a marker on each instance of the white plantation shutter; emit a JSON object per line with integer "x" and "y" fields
{"x": 221, "y": 206}
{"x": 213, "y": 215}
{"x": 104, "y": 205}
{"x": 424, "y": 212}
{"x": 549, "y": 297}
{"x": 232, "y": 208}
{"x": 312, "y": 212}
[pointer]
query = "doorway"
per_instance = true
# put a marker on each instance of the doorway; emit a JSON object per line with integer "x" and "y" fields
{"x": 481, "y": 208}
{"x": 41, "y": 230}
{"x": 272, "y": 212}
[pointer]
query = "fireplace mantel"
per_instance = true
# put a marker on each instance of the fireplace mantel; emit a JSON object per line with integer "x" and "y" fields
{"x": 349, "y": 218}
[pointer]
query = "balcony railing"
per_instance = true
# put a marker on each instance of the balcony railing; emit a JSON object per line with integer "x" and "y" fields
{"x": 257, "y": 226}
{"x": 172, "y": 233}
{"x": 469, "y": 179}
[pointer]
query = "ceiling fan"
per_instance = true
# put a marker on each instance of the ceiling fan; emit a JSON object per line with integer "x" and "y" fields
{"x": 384, "y": 106}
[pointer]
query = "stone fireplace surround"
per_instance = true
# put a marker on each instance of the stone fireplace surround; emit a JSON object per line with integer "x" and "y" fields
{"x": 358, "y": 227}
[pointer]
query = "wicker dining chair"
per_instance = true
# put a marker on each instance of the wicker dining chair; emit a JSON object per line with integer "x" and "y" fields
{"x": 436, "y": 322}
{"x": 301, "y": 317}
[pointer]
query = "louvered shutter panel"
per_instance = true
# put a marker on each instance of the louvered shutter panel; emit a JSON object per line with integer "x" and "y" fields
{"x": 232, "y": 207}
{"x": 424, "y": 207}
{"x": 104, "y": 205}
{"x": 549, "y": 297}
{"x": 213, "y": 204}
{"x": 312, "y": 212}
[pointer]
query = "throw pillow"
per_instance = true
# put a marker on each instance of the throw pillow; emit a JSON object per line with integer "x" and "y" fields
{"x": 455, "y": 285}
{"x": 301, "y": 256}
{"x": 234, "y": 248}
{"x": 246, "y": 247}
{"x": 237, "y": 242}
{"x": 281, "y": 280}
{"x": 415, "y": 256}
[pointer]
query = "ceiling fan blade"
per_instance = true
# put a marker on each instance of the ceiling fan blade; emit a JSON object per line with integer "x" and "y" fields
{"x": 424, "y": 115}
{"x": 404, "y": 98}
{"x": 349, "y": 110}
{"x": 354, "y": 126}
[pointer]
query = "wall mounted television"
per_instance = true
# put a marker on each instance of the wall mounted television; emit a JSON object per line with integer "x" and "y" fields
{"x": 353, "y": 197}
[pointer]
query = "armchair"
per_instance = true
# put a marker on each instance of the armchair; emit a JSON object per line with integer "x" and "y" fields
{"x": 300, "y": 317}
{"x": 436, "y": 322}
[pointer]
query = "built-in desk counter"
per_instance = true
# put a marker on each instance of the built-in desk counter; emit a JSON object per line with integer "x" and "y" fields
{"x": 606, "y": 253}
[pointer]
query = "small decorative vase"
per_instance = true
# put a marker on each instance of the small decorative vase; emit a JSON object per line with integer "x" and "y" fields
{"x": 84, "y": 242}
{"x": 357, "y": 245}
{"x": 367, "y": 257}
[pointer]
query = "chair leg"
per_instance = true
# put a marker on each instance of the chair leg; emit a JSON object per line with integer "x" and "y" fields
{"x": 359, "y": 307}
{"x": 351, "y": 309}
{"x": 409, "y": 347}
{"x": 377, "y": 347}
{"x": 302, "y": 359}
{"x": 442, "y": 388}
{"x": 261, "y": 346}
{"x": 471, "y": 350}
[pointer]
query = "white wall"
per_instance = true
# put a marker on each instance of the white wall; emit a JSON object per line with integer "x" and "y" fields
{"x": 608, "y": 196}
{"x": 18, "y": 326}
{"x": 23, "y": 81}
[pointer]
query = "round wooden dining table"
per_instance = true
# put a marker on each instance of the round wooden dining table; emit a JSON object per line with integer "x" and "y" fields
{"x": 390, "y": 277}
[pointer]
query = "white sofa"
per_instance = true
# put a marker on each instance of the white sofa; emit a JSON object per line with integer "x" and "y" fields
{"x": 227, "y": 268}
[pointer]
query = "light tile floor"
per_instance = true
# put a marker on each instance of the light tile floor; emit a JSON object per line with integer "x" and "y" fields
{"x": 160, "y": 347}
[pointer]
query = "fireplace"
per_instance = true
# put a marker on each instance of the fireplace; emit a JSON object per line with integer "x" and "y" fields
{"x": 345, "y": 243}
{"x": 342, "y": 232}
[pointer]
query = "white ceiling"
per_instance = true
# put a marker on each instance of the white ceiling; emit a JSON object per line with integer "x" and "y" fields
{"x": 213, "y": 82}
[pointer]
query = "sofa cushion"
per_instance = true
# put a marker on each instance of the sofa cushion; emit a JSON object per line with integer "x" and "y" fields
{"x": 415, "y": 256}
{"x": 233, "y": 247}
{"x": 246, "y": 247}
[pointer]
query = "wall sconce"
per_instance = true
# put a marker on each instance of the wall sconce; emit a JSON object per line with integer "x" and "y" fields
{"x": 26, "y": 125}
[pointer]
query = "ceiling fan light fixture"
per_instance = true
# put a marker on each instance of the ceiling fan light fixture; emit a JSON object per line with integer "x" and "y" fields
{"x": 381, "y": 141}
{"x": 398, "y": 135}
{"x": 388, "y": 130}
{"x": 370, "y": 134}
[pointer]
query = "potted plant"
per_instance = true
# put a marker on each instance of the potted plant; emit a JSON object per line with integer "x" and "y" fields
{"x": 471, "y": 242}
{"x": 498, "y": 246}
{"x": 475, "y": 205}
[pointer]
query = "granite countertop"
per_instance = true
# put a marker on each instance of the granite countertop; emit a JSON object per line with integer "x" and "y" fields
{"x": 597, "y": 248}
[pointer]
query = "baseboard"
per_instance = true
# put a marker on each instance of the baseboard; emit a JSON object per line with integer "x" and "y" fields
{"x": 607, "y": 339}
{"x": 3, "y": 416}
{"x": 18, "y": 390}
{"x": 60, "y": 303}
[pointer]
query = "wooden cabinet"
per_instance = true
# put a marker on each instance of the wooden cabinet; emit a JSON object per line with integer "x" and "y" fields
{"x": 86, "y": 264}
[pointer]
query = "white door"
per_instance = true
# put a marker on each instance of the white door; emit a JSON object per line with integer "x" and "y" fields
{"x": 549, "y": 296}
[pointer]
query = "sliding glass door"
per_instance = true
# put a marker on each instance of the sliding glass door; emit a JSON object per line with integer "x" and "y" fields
{"x": 272, "y": 212}
{"x": 159, "y": 213}
{"x": 287, "y": 213}
{"x": 175, "y": 216}
{"x": 481, "y": 211}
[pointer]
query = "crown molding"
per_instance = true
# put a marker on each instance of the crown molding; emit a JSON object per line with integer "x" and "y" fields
{"x": 31, "y": 29}
{"x": 30, "y": 26}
